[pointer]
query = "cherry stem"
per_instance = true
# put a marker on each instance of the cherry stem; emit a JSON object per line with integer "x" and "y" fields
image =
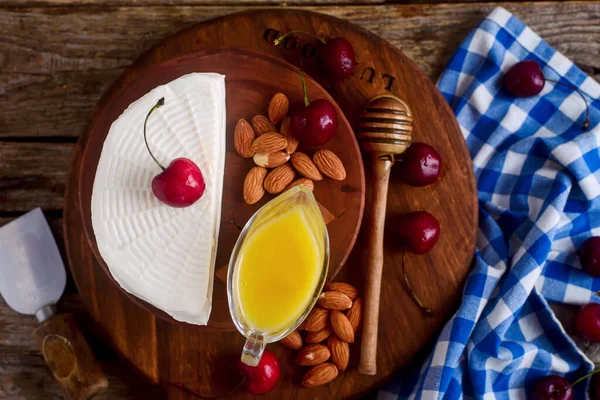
{"x": 158, "y": 105}
{"x": 586, "y": 123}
{"x": 304, "y": 90}
{"x": 280, "y": 38}
{"x": 584, "y": 377}
{"x": 426, "y": 310}
{"x": 306, "y": 101}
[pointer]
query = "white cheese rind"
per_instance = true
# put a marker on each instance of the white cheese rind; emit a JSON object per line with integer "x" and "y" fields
{"x": 163, "y": 255}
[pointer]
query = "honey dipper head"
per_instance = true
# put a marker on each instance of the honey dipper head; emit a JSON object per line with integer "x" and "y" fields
{"x": 385, "y": 126}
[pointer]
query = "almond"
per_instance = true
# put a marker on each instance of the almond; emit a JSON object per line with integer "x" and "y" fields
{"x": 302, "y": 326}
{"x": 243, "y": 136}
{"x": 312, "y": 354}
{"x": 329, "y": 164}
{"x": 278, "y": 108}
{"x": 279, "y": 178}
{"x": 334, "y": 301}
{"x": 305, "y": 166}
{"x": 318, "y": 336}
{"x": 271, "y": 160}
{"x": 320, "y": 375}
{"x": 317, "y": 319}
{"x": 293, "y": 341}
{"x": 354, "y": 314}
{"x": 340, "y": 352}
{"x": 253, "y": 185}
{"x": 302, "y": 181}
{"x": 342, "y": 327}
{"x": 342, "y": 287}
{"x": 286, "y": 131}
{"x": 262, "y": 125}
{"x": 268, "y": 143}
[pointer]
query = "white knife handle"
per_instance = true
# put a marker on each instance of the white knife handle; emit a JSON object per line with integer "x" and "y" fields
{"x": 70, "y": 358}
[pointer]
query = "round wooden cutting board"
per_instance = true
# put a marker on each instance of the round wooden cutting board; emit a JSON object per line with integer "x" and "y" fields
{"x": 247, "y": 95}
{"x": 203, "y": 362}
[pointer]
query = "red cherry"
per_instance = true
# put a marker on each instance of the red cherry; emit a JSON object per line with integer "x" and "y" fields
{"x": 262, "y": 378}
{"x": 337, "y": 58}
{"x": 316, "y": 123}
{"x": 421, "y": 165}
{"x": 589, "y": 253}
{"x": 552, "y": 387}
{"x": 524, "y": 79}
{"x": 419, "y": 230}
{"x": 180, "y": 185}
{"x": 587, "y": 323}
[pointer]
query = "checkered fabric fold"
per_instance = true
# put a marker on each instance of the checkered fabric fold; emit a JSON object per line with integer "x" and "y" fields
{"x": 538, "y": 177}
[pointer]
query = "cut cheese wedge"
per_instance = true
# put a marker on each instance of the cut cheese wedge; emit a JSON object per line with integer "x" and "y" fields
{"x": 163, "y": 255}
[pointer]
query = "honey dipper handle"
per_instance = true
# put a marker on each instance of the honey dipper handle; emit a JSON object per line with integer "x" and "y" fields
{"x": 380, "y": 179}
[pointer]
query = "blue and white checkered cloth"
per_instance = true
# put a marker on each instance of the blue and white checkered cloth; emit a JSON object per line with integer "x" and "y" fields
{"x": 538, "y": 176}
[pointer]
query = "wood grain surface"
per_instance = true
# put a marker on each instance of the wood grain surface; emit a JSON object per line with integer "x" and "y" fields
{"x": 248, "y": 94}
{"x": 64, "y": 3}
{"x": 70, "y": 56}
{"x": 56, "y": 61}
{"x": 381, "y": 69}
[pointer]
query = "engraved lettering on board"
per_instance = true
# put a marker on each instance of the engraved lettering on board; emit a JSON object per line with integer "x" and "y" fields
{"x": 365, "y": 73}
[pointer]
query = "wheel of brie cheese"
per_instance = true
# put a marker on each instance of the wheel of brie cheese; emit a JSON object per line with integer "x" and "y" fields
{"x": 161, "y": 254}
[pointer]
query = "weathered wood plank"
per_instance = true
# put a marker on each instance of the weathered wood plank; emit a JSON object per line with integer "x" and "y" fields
{"x": 124, "y": 3}
{"x": 142, "y": 3}
{"x": 56, "y": 62}
{"x": 29, "y": 378}
{"x": 23, "y": 373}
{"x": 139, "y": 3}
{"x": 33, "y": 175}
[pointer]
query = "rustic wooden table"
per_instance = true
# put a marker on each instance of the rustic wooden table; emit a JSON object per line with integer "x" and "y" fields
{"x": 58, "y": 56}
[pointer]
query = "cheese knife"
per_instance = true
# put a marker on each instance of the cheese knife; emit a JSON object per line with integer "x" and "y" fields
{"x": 32, "y": 279}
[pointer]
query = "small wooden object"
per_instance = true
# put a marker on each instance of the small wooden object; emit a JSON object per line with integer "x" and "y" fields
{"x": 70, "y": 358}
{"x": 384, "y": 130}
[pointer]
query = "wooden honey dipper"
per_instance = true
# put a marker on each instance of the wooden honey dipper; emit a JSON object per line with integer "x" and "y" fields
{"x": 384, "y": 130}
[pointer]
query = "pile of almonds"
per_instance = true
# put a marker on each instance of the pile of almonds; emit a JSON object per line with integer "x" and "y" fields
{"x": 272, "y": 149}
{"x": 334, "y": 321}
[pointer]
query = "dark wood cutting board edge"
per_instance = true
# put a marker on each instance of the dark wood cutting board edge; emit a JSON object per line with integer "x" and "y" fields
{"x": 442, "y": 271}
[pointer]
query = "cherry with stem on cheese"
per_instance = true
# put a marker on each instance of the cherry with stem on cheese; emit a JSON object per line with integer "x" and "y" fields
{"x": 315, "y": 123}
{"x": 336, "y": 56}
{"x": 420, "y": 165}
{"x": 589, "y": 254}
{"x": 262, "y": 378}
{"x": 419, "y": 231}
{"x": 555, "y": 387}
{"x": 587, "y": 322}
{"x": 180, "y": 184}
{"x": 526, "y": 79}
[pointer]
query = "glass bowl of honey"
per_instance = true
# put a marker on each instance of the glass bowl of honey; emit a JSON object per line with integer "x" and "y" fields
{"x": 277, "y": 270}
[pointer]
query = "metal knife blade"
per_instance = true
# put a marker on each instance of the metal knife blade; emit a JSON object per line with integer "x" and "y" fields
{"x": 32, "y": 273}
